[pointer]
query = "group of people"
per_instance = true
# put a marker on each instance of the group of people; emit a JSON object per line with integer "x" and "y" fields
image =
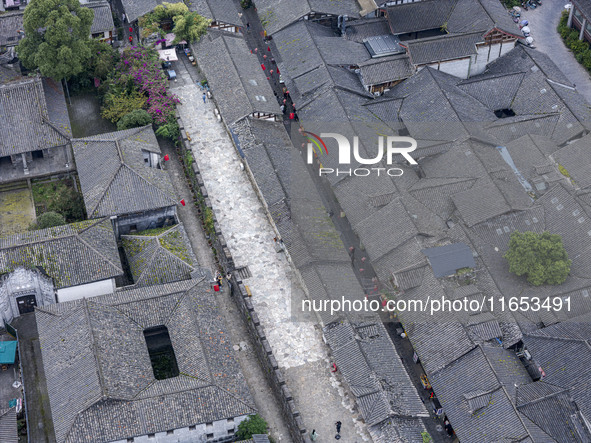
{"x": 314, "y": 435}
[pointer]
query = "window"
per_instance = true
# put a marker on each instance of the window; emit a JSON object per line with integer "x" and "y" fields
{"x": 37, "y": 154}
{"x": 162, "y": 356}
{"x": 209, "y": 436}
{"x": 192, "y": 428}
{"x": 169, "y": 432}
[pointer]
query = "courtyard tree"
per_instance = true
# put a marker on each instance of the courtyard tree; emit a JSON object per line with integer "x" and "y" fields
{"x": 134, "y": 119}
{"x": 254, "y": 424}
{"x": 48, "y": 220}
{"x": 188, "y": 26}
{"x": 57, "y": 38}
{"x": 540, "y": 257}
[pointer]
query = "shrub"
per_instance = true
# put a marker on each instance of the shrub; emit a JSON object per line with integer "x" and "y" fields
{"x": 118, "y": 104}
{"x": 48, "y": 220}
{"x": 252, "y": 425}
{"x": 540, "y": 257}
{"x": 134, "y": 119}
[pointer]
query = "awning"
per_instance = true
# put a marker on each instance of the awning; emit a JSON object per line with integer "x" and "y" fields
{"x": 168, "y": 55}
{"x": 7, "y": 352}
{"x": 169, "y": 38}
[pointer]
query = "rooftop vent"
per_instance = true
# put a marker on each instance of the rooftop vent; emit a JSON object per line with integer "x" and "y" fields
{"x": 383, "y": 45}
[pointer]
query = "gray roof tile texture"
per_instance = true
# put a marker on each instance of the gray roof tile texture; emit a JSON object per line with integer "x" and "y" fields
{"x": 159, "y": 257}
{"x": 134, "y": 9}
{"x": 239, "y": 85}
{"x": 114, "y": 177}
{"x": 103, "y": 18}
{"x": 93, "y": 390}
{"x": 72, "y": 255}
{"x": 26, "y": 124}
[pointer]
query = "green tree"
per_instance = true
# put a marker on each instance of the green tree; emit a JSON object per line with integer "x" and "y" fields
{"x": 134, "y": 119}
{"x": 57, "y": 37}
{"x": 540, "y": 257}
{"x": 252, "y": 425}
{"x": 189, "y": 26}
{"x": 103, "y": 58}
{"x": 48, "y": 220}
{"x": 118, "y": 104}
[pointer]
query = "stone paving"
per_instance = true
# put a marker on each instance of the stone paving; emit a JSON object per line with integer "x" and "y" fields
{"x": 298, "y": 346}
{"x": 543, "y": 22}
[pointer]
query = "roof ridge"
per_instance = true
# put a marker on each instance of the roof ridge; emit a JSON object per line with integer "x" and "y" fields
{"x": 172, "y": 199}
{"x": 93, "y": 347}
{"x": 174, "y": 256}
{"x": 98, "y": 252}
{"x": 95, "y": 209}
{"x": 152, "y": 258}
{"x": 560, "y": 390}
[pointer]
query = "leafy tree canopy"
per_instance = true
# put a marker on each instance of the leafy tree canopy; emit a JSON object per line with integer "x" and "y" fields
{"x": 540, "y": 257}
{"x": 188, "y": 26}
{"x": 252, "y": 425}
{"x": 48, "y": 220}
{"x": 134, "y": 119}
{"x": 57, "y": 37}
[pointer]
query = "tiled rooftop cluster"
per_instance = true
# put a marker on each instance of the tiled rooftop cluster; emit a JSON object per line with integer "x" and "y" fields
{"x": 482, "y": 174}
{"x": 99, "y": 376}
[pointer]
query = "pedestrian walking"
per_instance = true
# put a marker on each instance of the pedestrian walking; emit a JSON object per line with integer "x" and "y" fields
{"x": 204, "y": 97}
{"x": 283, "y": 109}
{"x": 123, "y": 17}
{"x": 247, "y": 27}
{"x": 338, "y": 425}
{"x": 313, "y": 435}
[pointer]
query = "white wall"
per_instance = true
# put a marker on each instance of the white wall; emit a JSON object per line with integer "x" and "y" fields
{"x": 458, "y": 68}
{"x": 89, "y": 290}
{"x": 484, "y": 56}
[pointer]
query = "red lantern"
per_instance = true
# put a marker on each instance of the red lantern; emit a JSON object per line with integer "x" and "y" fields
{"x": 269, "y": 48}
{"x": 263, "y": 66}
{"x": 130, "y": 29}
{"x": 278, "y": 71}
{"x": 291, "y": 115}
{"x": 130, "y": 39}
{"x": 166, "y": 158}
{"x": 183, "y": 202}
{"x": 216, "y": 288}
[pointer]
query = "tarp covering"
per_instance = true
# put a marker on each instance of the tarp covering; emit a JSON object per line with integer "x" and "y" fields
{"x": 168, "y": 55}
{"x": 7, "y": 352}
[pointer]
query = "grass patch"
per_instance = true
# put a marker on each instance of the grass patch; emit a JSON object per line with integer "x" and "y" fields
{"x": 59, "y": 196}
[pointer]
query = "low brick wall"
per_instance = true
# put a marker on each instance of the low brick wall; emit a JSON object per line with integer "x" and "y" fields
{"x": 243, "y": 301}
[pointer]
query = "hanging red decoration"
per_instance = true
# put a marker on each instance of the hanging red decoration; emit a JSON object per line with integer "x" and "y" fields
{"x": 183, "y": 202}
{"x": 166, "y": 158}
{"x": 263, "y": 66}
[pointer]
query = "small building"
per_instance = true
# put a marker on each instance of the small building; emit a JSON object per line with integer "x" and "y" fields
{"x": 121, "y": 177}
{"x": 35, "y": 130}
{"x": 580, "y": 18}
{"x": 134, "y": 9}
{"x": 77, "y": 260}
{"x": 143, "y": 364}
{"x": 102, "y": 27}
{"x": 12, "y": 5}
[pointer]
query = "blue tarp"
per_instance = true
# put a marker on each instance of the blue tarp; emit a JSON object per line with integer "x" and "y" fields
{"x": 7, "y": 352}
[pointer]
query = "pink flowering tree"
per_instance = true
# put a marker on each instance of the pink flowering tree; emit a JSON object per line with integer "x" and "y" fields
{"x": 138, "y": 72}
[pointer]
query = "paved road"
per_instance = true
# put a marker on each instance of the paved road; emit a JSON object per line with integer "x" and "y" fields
{"x": 543, "y": 22}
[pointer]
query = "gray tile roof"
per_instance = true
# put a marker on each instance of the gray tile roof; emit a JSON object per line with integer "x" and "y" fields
{"x": 8, "y": 426}
{"x": 71, "y": 255}
{"x": 115, "y": 179}
{"x": 479, "y": 410}
{"x": 574, "y": 158}
{"x": 99, "y": 376}
{"x": 359, "y": 30}
{"x": 367, "y": 359}
{"x": 134, "y": 9}
{"x": 278, "y": 14}
{"x": 26, "y": 124}
{"x": 338, "y": 51}
{"x": 419, "y": 16}
{"x": 159, "y": 256}
{"x": 386, "y": 69}
{"x": 221, "y": 11}
{"x": 103, "y": 18}
{"x": 479, "y": 203}
{"x": 10, "y": 24}
{"x": 443, "y": 48}
{"x": 551, "y": 409}
{"x": 57, "y": 109}
{"x": 241, "y": 87}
